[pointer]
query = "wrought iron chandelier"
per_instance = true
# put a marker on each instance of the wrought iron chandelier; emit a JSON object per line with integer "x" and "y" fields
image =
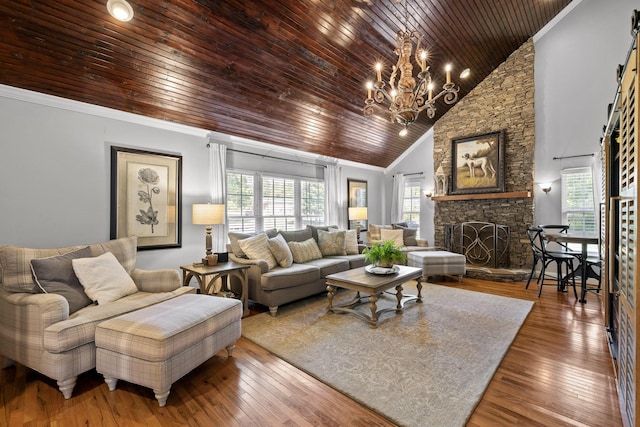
{"x": 408, "y": 98}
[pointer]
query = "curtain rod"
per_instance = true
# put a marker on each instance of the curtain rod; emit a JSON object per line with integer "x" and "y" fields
{"x": 571, "y": 157}
{"x": 266, "y": 156}
{"x": 414, "y": 173}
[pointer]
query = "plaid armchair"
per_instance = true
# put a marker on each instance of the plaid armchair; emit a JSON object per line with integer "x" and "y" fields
{"x": 37, "y": 329}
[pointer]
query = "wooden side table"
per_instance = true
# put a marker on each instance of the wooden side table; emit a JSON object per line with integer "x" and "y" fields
{"x": 223, "y": 271}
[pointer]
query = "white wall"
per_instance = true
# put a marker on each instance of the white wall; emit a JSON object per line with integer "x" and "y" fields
{"x": 575, "y": 80}
{"x": 418, "y": 158}
{"x": 55, "y": 172}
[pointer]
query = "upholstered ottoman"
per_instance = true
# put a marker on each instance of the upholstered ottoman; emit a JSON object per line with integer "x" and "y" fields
{"x": 159, "y": 344}
{"x": 438, "y": 263}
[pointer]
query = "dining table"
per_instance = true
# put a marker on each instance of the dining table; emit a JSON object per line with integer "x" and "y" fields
{"x": 583, "y": 238}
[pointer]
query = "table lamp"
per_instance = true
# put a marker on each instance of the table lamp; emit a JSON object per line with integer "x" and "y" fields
{"x": 208, "y": 214}
{"x": 357, "y": 214}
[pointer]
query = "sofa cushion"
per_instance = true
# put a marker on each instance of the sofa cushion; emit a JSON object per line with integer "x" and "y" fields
{"x": 374, "y": 231}
{"x": 80, "y": 327}
{"x": 296, "y": 275}
{"x": 332, "y": 242}
{"x": 393, "y": 235}
{"x": 103, "y": 278}
{"x": 351, "y": 242}
{"x": 281, "y": 251}
{"x": 355, "y": 261}
{"x": 234, "y": 237}
{"x": 55, "y": 275}
{"x": 257, "y": 247}
{"x": 296, "y": 235}
{"x": 305, "y": 251}
{"x": 15, "y": 262}
{"x": 330, "y": 265}
{"x": 408, "y": 234}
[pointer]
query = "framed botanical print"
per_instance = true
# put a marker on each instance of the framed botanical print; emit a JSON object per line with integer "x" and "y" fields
{"x": 477, "y": 164}
{"x": 146, "y": 199}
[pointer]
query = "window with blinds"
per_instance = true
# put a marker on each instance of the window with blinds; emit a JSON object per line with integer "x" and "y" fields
{"x": 578, "y": 207}
{"x": 258, "y": 202}
{"x": 411, "y": 203}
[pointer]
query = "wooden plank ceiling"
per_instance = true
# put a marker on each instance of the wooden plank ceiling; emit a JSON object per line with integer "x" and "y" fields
{"x": 284, "y": 72}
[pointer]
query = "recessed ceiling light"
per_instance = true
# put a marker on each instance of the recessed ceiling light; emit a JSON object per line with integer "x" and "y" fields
{"x": 465, "y": 73}
{"x": 120, "y": 9}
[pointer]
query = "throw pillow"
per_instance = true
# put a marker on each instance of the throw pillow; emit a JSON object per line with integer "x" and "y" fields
{"x": 394, "y": 235}
{"x": 234, "y": 237}
{"x": 281, "y": 251}
{"x": 257, "y": 247}
{"x": 305, "y": 251}
{"x": 103, "y": 278}
{"x": 55, "y": 275}
{"x": 351, "y": 242}
{"x": 332, "y": 242}
{"x": 409, "y": 235}
{"x": 315, "y": 228}
{"x": 15, "y": 266}
{"x": 374, "y": 231}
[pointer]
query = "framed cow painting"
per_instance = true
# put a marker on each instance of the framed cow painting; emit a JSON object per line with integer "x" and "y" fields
{"x": 477, "y": 164}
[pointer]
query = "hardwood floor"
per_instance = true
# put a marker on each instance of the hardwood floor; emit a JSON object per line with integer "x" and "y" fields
{"x": 557, "y": 373}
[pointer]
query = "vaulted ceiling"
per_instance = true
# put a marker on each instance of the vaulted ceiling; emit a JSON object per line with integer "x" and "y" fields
{"x": 285, "y": 72}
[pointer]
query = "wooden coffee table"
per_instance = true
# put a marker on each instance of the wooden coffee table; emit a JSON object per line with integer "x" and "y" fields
{"x": 374, "y": 285}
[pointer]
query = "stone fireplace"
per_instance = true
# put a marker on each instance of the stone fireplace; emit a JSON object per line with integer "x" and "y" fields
{"x": 504, "y": 100}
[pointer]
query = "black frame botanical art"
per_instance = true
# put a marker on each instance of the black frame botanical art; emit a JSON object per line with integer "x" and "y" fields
{"x": 146, "y": 197}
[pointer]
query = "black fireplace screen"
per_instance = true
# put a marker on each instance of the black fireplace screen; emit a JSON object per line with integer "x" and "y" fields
{"x": 483, "y": 243}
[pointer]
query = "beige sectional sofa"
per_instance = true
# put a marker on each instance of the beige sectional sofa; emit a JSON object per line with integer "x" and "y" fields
{"x": 38, "y": 330}
{"x": 401, "y": 233}
{"x": 274, "y": 285}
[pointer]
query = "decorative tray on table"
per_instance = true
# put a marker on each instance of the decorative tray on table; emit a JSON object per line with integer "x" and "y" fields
{"x": 381, "y": 270}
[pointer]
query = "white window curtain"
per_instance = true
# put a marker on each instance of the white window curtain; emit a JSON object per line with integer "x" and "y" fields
{"x": 334, "y": 202}
{"x": 218, "y": 190}
{"x": 397, "y": 197}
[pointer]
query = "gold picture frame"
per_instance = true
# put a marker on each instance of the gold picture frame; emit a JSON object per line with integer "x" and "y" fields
{"x": 477, "y": 164}
{"x": 146, "y": 197}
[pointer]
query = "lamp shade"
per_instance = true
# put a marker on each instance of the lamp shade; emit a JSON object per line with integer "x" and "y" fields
{"x": 207, "y": 214}
{"x": 357, "y": 213}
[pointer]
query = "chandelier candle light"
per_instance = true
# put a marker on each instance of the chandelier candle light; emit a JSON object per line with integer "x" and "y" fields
{"x": 408, "y": 98}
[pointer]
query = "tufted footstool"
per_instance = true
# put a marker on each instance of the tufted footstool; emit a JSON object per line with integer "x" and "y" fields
{"x": 157, "y": 345}
{"x": 438, "y": 263}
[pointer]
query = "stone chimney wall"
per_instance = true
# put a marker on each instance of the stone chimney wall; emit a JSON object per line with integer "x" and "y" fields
{"x": 504, "y": 100}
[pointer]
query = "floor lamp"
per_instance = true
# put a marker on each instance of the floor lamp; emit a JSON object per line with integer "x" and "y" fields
{"x": 358, "y": 214}
{"x": 208, "y": 214}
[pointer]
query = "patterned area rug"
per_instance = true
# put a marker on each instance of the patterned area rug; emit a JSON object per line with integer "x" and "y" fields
{"x": 428, "y": 366}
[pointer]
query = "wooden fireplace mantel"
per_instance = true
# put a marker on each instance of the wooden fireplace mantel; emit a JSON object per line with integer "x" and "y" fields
{"x": 506, "y": 195}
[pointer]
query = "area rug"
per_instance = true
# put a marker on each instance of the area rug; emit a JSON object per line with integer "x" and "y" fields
{"x": 427, "y": 366}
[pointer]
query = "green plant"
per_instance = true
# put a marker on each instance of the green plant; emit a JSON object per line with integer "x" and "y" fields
{"x": 384, "y": 254}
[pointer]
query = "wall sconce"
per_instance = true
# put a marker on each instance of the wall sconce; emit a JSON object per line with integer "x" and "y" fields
{"x": 546, "y": 187}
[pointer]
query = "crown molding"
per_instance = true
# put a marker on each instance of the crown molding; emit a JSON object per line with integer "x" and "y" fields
{"x": 109, "y": 113}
